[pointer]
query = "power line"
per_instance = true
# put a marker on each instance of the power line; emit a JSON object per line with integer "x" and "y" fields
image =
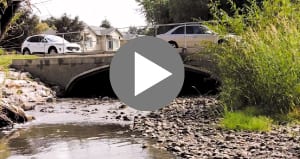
{"x": 37, "y": 3}
{"x": 48, "y": 10}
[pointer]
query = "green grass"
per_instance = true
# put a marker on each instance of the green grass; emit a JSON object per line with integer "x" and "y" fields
{"x": 6, "y": 60}
{"x": 241, "y": 120}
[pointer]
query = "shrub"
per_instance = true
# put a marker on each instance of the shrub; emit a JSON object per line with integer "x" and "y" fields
{"x": 263, "y": 69}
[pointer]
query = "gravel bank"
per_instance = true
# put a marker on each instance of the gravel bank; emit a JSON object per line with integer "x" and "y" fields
{"x": 189, "y": 128}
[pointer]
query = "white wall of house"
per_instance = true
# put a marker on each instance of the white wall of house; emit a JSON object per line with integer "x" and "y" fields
{"x": 90, "y": 41}
{"x": 102, "y": 43}
{"x": 113, "y": 43}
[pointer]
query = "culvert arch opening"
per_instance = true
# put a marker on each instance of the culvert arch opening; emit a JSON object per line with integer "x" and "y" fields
{"x": 95, "y": 83}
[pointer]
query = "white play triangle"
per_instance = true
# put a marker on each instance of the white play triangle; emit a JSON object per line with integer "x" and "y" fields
{"x": 147, "y": 74}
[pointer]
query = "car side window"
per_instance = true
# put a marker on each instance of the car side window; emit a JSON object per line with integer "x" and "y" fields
{"x": 44, "y": 40}
{"x": 190, "y": 30}
{"x": 40, "y": 38}
{"x": 33, "y": 39}
{"x": 199, "y": 30}
{"x": 179, "y": 30}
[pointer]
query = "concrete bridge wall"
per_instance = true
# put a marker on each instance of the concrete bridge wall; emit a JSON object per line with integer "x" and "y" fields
{"x": 59, "y": 70}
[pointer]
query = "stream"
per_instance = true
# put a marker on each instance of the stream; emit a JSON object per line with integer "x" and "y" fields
{"x": 78, "y": 129}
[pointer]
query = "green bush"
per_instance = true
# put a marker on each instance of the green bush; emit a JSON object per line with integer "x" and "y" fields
{"x": 262, "y": 70}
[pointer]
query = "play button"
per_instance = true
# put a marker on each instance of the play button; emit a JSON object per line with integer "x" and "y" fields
{"x": 147, "y": 73}
{"x": 143, "y": 79}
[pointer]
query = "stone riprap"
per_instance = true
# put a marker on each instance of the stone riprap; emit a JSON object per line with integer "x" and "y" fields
{"x": 18, "y": 93}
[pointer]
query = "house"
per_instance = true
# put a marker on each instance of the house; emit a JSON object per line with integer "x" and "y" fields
{"x": 101, "y": 39}
{"x": 127, "y": 37}
{"x": 50, "y": 31}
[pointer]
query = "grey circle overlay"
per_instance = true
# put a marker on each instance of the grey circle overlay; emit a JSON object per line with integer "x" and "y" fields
{"x": 157, "y": 51}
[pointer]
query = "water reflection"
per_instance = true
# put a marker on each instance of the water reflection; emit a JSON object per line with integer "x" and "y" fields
{"x": 77, "y": 142}
{"x": 4, "y": 149}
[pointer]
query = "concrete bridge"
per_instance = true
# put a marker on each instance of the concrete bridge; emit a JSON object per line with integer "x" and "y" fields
{"x": 86, "y": 75}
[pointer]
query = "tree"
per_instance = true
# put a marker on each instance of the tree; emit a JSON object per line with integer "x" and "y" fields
{"x": 177, "y": 11}
{"x": 189, "y": 10}
{"x": 65, "y": 24}
{"x": 133, "y": 30}
{"x": 21, "y": 26}
{"x": 156, "y": 11}
{"x": 105, "y": 24}
{"x": 8, "y": 9}
{"x": 41, "y": 27}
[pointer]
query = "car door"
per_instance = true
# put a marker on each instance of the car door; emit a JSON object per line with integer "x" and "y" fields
{"x": 32, "y": 44}
{"x": 202, "y": 36}
{"x": 178, "y": 36}
{"x": 191, "y": 37}
{"x": 45, "y": 45}
{"x": 40, "y": 44}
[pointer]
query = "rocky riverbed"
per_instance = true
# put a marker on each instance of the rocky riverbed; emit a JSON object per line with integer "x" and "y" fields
{"x": 92, "y": 111}
{"x": 189, "y": 128}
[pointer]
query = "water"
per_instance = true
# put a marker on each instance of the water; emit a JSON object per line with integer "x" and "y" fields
{"x": 77, "y": 142}
{"x": 76, "y": 135}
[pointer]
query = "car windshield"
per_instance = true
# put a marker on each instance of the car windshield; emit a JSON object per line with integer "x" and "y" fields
{"x": 57, "y": 39}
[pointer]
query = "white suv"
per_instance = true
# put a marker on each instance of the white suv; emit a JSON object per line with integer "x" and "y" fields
{"x": 190, "y": 36}
{"x": 48, "y": 44}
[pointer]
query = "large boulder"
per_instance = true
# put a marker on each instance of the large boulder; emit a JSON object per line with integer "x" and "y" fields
{"x": 12, "y": 114}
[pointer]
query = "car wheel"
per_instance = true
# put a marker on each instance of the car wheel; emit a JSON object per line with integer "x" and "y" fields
{"x": 26, "y": 51}
{"x": 173, "y": 44}
{"x": 52, "y": 50}
{"x": 222, "y": 41}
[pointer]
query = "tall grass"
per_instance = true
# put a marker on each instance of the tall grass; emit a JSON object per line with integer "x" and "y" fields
{"x": 263, "y": 70}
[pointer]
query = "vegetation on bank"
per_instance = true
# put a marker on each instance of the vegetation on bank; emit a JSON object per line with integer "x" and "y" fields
{"x": 262, "y": 70}
{"x": 246, "y": 119}
{"x": 6, "y": 60}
